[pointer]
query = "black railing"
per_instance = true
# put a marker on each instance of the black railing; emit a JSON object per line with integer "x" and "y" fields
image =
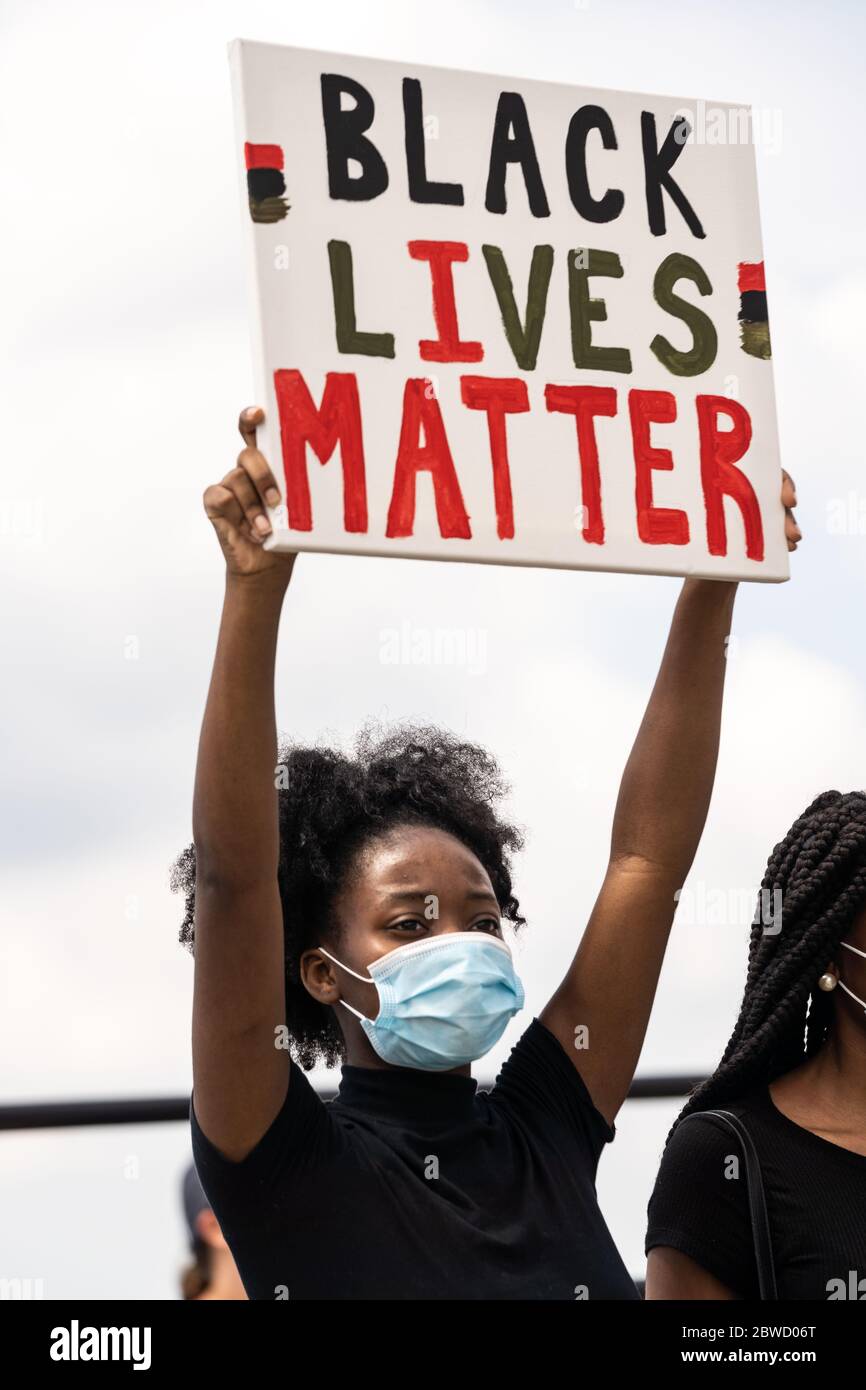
{"x": 70, "y": 1114}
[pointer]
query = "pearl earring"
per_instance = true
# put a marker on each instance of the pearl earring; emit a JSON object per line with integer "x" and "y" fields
{"x": 827, "y": 982}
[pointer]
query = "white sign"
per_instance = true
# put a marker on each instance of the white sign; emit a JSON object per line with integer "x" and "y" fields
{"x": 507, "y": 321}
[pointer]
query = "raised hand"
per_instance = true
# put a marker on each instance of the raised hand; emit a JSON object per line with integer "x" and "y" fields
{"x": 236, "y": 506}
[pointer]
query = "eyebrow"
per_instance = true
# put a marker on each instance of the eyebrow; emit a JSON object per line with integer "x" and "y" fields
{"x": 412, "y": 894}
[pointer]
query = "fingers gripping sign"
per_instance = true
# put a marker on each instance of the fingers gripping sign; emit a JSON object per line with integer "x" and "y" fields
{"x": 793, "y": 534}
{"x": 237, "y": 506}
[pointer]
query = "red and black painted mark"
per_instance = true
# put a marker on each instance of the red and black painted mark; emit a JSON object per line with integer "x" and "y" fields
{"x": 754, "y": 327}
{"x": 265, "y": 183}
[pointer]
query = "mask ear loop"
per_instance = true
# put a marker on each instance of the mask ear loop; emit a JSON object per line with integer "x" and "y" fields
{"x": 349, "y": 971}
{"x": 842, "y": 983}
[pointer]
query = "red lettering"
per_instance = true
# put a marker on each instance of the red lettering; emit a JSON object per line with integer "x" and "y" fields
{"x": 655, "y": 525}
{"x": 720, "y": 450}
{"x": 498, "y": 396}
{"x": 421, "y": 409}
{"x": 584, "y": 403}
{"x": 337, "y": 420}
{"x": 448, "y": 347}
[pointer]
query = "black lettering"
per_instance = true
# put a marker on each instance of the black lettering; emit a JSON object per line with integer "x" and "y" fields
{"x": 512, "y": 144}
{"x": 657, "y": 167}
{"x": 582, "y": 122}
{"x": 345, "y": 140}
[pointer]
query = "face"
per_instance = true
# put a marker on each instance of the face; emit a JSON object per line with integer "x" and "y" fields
{"x": 411, "y": 884}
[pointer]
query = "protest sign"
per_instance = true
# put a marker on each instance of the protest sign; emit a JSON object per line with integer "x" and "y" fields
{"x": 507, "y": 321}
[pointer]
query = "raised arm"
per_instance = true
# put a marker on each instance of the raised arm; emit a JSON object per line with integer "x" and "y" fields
{"x": 239, "y": 1075}
{"x": 663, "y": 799}
{"x": 601, "y": 1009}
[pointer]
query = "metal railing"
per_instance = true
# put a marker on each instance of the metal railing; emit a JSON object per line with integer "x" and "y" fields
{"x": 70, "y": 1114}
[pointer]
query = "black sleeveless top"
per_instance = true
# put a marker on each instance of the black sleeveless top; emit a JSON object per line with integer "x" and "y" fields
{"x": 416, "y": 1185}
{"x": 816, "y": 1201}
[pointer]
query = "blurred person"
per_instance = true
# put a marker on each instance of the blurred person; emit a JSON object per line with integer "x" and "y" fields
{"x": 794, "y": 1075}
{"x": 213, "y": 1272}
{"x": 351, "y": 911}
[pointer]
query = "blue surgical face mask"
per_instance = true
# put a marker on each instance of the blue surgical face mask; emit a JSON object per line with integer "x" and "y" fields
{"x": 443, "y": 1001}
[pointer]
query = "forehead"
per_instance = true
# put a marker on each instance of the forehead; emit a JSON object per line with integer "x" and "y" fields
{"x": 421, "y": 857}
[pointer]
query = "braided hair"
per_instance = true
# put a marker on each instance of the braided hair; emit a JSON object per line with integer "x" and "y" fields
{"x": 820, "y": 869}
{"x": 330, "y": 807}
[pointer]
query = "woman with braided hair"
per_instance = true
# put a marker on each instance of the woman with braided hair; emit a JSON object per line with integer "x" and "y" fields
{"x": 794, "y": 1075}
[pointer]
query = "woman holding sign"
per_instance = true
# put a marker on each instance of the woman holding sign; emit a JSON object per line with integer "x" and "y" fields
{"x": 354, "y": 914}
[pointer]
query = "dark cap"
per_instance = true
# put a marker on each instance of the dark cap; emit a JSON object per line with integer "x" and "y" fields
{"x": 194, "y": 1200}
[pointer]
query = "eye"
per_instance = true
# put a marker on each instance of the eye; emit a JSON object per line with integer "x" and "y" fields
{"x": 488, "y": 924}
{"x": 408, "y": 924}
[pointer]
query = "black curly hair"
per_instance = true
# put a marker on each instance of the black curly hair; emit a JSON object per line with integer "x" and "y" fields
{"x": 820, "y": 868}
{"x": 331, "y": 806}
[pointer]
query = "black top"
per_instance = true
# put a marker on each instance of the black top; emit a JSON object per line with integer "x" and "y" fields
{"x": 816, "y": 1202}
{"x": 414, "y": 1184}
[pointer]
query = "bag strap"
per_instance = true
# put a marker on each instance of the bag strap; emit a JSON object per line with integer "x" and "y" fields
{"x": 758, "y": 1215}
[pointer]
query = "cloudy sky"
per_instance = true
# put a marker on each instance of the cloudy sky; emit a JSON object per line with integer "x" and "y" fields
{"x": 124, "y": 304}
